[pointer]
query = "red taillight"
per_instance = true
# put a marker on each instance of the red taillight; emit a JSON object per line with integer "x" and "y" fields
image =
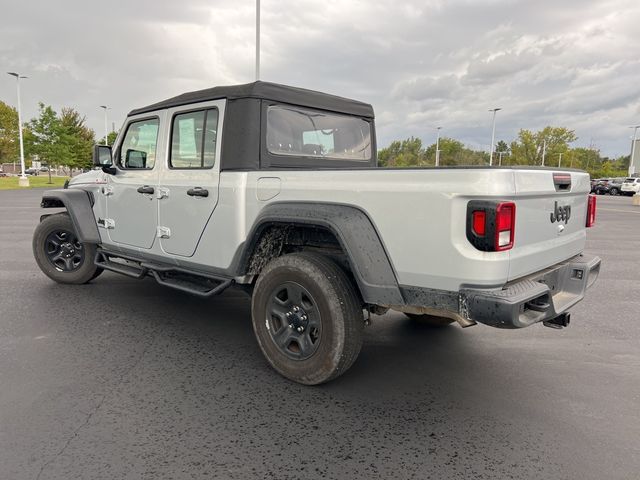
{"x": 491, "y": 225}
{"x": 479, "y": 223}
{"x": 505, "y": 226}
{"x": 591, "y": 210}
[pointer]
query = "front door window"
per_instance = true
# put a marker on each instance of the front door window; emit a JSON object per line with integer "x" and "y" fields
{"x": 139, "y": 146}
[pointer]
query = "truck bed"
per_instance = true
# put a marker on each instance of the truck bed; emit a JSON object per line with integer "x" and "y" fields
{"x": 420, "y": 215}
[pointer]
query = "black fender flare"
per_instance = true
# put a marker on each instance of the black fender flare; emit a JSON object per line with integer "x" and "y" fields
{"x": 79, "y": 205}
{"x": 369, "y": 261}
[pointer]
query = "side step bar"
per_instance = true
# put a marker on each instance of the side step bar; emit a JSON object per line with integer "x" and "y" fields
{"x": 196, "y": 283}
{"x": 103, "y": 260}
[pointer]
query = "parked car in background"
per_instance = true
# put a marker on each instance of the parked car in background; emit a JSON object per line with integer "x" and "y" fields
{"x": 630, "y": 186}
{"x": 31, "y": 171}
{"x": 2, "y": 174}
{"x": 611, "y": 186}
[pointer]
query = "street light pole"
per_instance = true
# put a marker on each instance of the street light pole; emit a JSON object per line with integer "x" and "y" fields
{"x": 438, "y": 146}
{"x": 500, "y": 158}
{"x": 106, "y": 125}
{"x": 632, "y": 167}
{"x": 257, "y": 40}
{"x": 544, "y": 150}
{"x": 23, "y": 181}
{"x": 493, "y": 134}
{"x": 559, "y": 159}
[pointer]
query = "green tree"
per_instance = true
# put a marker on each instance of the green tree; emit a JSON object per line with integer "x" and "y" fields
{"x": 9, "y": 144}
{"x": 111, "y": 138}
{"x": 409, "y": 153}
{"x": 586, "y": 159}
{"x": 77, "y": 139}
{"x": 450, "y": 150}
{"x": 43, "y": 140}
{"x": 528, "y": 148}
{"x": 405, "y": 153}
{"x": 63, "y": 139}
{"x": 502, "y": 146}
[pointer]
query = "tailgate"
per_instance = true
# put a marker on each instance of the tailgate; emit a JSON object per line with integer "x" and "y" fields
{"x": 544, "y": 235}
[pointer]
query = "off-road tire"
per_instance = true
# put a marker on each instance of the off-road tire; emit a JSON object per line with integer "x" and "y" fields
{"x": 82, "y": 270}
{"x": 338, "y": 306}
{"x": 429, "y": 320}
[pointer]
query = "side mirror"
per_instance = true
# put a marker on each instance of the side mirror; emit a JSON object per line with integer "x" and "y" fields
{"x": 102, "y": 158}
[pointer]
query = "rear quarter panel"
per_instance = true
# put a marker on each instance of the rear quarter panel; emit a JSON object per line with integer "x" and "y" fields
{"x": 419, "y": 215}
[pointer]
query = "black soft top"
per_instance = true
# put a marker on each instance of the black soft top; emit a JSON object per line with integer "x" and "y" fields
{"x": 266, "y": 91}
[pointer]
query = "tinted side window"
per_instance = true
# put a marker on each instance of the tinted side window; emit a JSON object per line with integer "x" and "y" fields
{"x": 138, "y": 150}
{"x": 302, "y": 132}
{"x": 193, "y": 139}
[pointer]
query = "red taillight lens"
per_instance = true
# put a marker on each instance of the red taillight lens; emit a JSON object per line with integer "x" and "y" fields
{"x": 491, "y": 225}
{"x": 479, "y": 223}
{"x": 505, "y": 226}
{"x": 591, "y": 210}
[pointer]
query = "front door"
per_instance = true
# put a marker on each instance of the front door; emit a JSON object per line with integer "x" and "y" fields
{"x": 132, "y": 206}
{"x": 188, "y": 188}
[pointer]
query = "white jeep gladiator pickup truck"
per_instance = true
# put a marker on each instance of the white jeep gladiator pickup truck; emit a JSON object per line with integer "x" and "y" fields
{"x": 276, "y": 190}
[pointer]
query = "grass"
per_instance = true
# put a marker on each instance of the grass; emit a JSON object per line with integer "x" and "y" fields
{"x": 11, "y": 183}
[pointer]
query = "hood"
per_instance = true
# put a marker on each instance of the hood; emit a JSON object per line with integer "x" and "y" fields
{"x": 90, "y": 177}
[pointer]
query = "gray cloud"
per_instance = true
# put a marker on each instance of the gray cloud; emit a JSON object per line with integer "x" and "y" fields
{"x": 419, "y": 62}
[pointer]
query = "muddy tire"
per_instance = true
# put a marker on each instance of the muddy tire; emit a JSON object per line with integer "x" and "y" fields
{"x": 59, "y": 253}
{"x": 429, "y": 320}
{"x": 307, "y": 318}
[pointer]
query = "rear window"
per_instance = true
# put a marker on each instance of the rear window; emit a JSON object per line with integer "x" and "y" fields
{"x": 193, "y": 139}
{"x": 301, "y": 132}
{"x": 630, "y": 180}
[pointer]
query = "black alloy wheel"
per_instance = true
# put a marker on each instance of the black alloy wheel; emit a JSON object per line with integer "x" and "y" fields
{"x": 308, "y": 317}
{"x": 64, "y": 250}
{"x": 60, "y": 254}
{"x": 295, "y": 321}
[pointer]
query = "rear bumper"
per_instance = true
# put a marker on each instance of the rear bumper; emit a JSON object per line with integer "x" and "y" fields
{"x": 541, "y": 297}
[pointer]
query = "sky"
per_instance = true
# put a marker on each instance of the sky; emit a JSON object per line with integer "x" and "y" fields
{"x": 421, "y": 64}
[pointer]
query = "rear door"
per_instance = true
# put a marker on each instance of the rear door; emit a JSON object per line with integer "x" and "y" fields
{"x": 188, "y": 187}
{"x": 551, "y": 212}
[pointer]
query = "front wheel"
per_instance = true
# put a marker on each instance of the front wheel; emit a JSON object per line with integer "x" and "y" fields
{"x": 307, "y": 317}
{"x": 613, "y": 191}
{"x": 60, "y": 254}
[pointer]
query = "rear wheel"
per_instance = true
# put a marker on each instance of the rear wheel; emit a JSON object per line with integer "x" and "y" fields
{"x": 307, "y": 317}
{"x": 60, "y": 254}
{"x": 429, "y": 320}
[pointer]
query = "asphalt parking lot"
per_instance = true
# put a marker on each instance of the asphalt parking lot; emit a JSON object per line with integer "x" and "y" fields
{"x": 126, "y": 379}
